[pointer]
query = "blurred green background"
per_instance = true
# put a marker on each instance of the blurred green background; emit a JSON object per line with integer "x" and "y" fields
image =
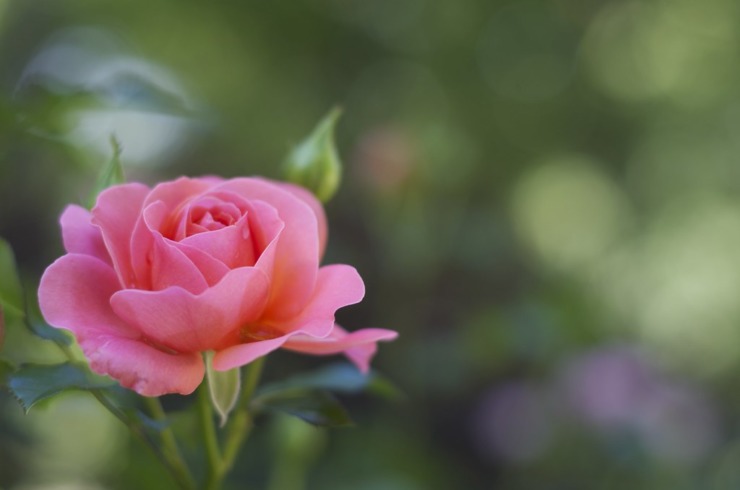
{"x": 542, "y": 198}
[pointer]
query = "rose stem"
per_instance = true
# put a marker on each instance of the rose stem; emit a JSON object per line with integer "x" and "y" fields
{"x": 169, "y": 444}
{"x": 240, "y": 424}
{"x": 178, "y": 469}
{"x": 210, "y": 439}
{"x": 237, "y": 429}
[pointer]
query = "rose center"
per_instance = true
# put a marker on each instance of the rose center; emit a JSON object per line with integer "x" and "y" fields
{"x": 211, "y": 216}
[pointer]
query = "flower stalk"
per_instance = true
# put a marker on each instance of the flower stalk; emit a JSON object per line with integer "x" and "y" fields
{"x": 237, "y": 429}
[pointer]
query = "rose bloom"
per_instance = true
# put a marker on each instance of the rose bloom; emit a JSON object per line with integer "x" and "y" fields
{"x": 152, "y": 278}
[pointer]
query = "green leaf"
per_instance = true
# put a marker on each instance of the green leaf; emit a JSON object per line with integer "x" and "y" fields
{"x": 11, "y": 291}
{"x": 47, "y": 332}
{"x": 313, "y": 406}
{"x": 224, "y": 387}
{"x": 314, "y": 163}
{"x": 2, "y": 327}
{"x": 31, "y": 383}
{"x": 6, "y": 368}
{"x": 339, "y": 378}
{"x": 111, "y": 174}
{"x": 39, "y": 327}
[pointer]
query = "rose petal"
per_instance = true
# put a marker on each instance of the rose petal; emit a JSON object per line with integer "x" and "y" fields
{"x": 116, "y": 213}
{"x": 184, "y": 322}
{"x": 143, "y": 368}
{"x": 243, "y": 354}
{"x": 74, "y": 294}
{"x": 264, "y": 225}
{"x": 359, "y": 346}
{"x": 307, "y": 196}
{"x": 80, "y": 236}
{"x": 231, "y": 245}
{"x": 213, "y": 270}
{"x": 337, "y": 286}
{"x": 297, "y": 250}
{"x": 157, "y": 262}
{"x": 176, "y": 192}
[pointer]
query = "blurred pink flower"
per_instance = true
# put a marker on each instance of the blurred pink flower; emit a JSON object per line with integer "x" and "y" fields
{"x": 607, "y": 386}
{"x": 514, "y": 422}
{"x": 154, "y": 277}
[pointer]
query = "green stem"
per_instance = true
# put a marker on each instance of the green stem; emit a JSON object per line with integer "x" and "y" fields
{"x": 176, "y": 468}
{"x": 213, "y": 453}
{"x": 240, "y": 424}
{"x": 237, "y": 429}
{"x": 170, "y": 449}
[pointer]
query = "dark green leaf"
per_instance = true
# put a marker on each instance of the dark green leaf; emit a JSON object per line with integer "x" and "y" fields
{"x": 11, "y": 291}
{"x": 315, "y": 407}
{"x": 339, "y": 378}
{"x": 6, "y": 368}
{"x": 224, "y": 387}
{"x": 31, "y": 383}
{"x": 111, "y": 174}
{"x": 45, "y": 331}
{"x": 41, "y": 328}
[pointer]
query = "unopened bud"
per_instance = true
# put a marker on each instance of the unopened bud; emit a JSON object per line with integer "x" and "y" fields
{"x": 314, "y": 163}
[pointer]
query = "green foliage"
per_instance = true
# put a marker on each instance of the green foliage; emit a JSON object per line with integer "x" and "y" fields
{"x": 11, "y": 291}
{"x": 32, "y": 383}
{"x": 111, "y": 174}
{"x": 223, "y": 387}
{"x": 47, "y": 332}
{"x": 314, "y": 163}
{"x": 14, "y": 304}
{"x": 313, "y": 406}
{"x": 339, "y": 378}
{"x": 6, "y": 369}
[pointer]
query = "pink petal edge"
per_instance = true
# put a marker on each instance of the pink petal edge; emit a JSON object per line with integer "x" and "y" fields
{"x": 359, "y": 347}
{"x": 74, "y": 294}
{"x": 142, "y": 368}
{"x": 297, "y": 254}
{"x": 187, "y": 322}
{"x": 80, "y": 235}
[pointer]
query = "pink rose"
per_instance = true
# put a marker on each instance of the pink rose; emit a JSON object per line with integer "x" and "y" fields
{"x": 154, "y": 277}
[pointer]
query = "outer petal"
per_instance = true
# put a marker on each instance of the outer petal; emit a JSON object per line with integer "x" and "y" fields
{"x": 142, "y": 368}
{"x": 337, "y": 286}
{"x": 306, "y": 196}
{"x": 80, "y": 236}
{"x": 74, "y": 294}
{"x": 116, "y": 213}
{"x": 297, "y": 254}
{"x": 180, "y": 320}
{"x": 243, "y": 354}
{"x": 359, "y": 346}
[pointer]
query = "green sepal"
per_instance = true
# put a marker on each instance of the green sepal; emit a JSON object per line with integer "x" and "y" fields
{"x": 223, "y": 387}
{"x": 32, "y": 383}
{"x": 111, "y": 174}
{"x": 314, "y": 163}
